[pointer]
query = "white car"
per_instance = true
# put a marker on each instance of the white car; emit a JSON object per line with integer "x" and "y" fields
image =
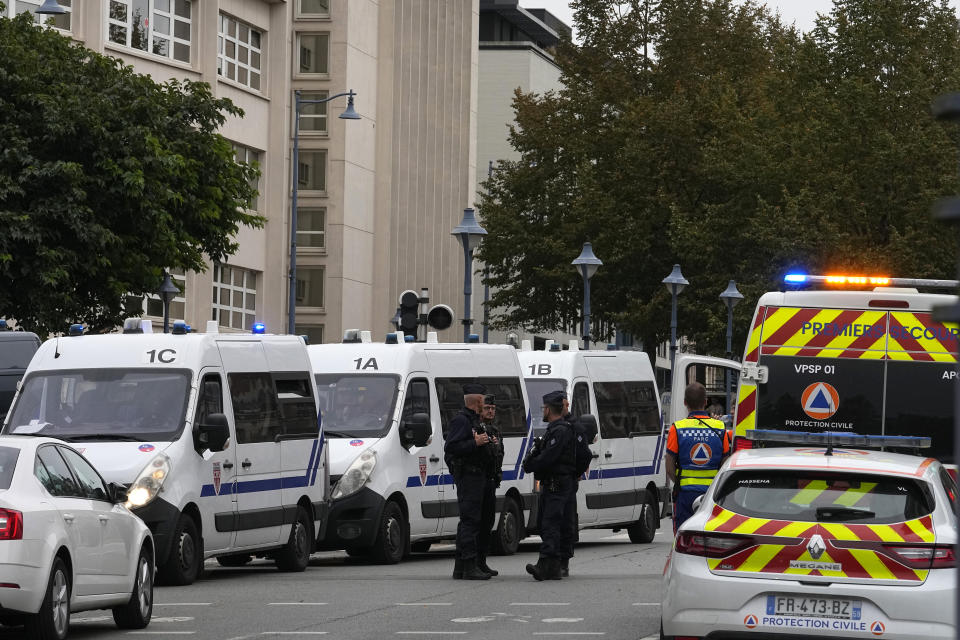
{"x": 816, "y": 541}
{"x": 67, "y": 543}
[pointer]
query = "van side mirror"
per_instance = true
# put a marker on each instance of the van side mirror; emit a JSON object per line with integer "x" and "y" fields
{"x": 118, "y": 493}
{"x": 212, "y": 434}
{"x": 416, "y": 430}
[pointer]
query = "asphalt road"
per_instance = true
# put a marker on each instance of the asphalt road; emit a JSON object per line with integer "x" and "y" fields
{"x": 613, "y": 592}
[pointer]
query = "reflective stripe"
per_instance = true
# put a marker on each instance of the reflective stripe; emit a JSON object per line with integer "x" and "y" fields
{"x": 699, "y": 473}
{"x": 702, "y": 482}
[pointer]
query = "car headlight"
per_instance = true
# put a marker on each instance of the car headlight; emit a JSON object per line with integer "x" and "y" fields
{"x": 356, "y": 475}
{"x": 147, "y": 485}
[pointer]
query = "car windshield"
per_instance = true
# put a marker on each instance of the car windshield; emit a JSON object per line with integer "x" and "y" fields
{"x": 824, "y": 496}
{"x": 102, "y": 404}
{"x": 8, "y": 462}
{"x": 539, "y": 387}
{"x": 356, "y": 406}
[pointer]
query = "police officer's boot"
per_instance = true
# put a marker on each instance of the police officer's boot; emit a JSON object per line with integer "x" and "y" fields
{"x": 472, "y": 572}
{"x": 458, "y": 569}
{"x": 482, "y": 565}
{"x": 539, "y": 570}
{"x": 565, "y": 567}
{"x": 553, "y": 572}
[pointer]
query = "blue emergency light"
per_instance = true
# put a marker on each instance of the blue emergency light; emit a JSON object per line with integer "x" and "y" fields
{"x": 831, "y": 439}
{"x": 259, "y": 328}
{"x": 180, "y": 328}
{"x": 867, "y": 281}
{"x": 75, "y": 330}
{"x": 795, "y": 278}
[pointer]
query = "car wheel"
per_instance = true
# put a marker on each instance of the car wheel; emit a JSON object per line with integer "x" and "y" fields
{"x": 186, "y": 556}
{"x": 295, "y": 556}
{"x": 137, "y": 612}
{"x": 52, "y": 622}
{"x": 507, "y": 538}
{"x": 421, "y": 546}
{"x": 392, "y": 539}
{"x": 237, "y": 560}
{"x": 644, "y": 529}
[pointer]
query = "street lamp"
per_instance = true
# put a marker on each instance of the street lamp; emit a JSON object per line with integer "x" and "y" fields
{"x": 168, "y": 291}
{"x": 50, "y": 7}
{"x": 731, "y": 297}
{"x": 675, "y": 283}
{"x": 469, "y": 233}
{"x": 348, "y": 114}
{"x": 587, "y": 264}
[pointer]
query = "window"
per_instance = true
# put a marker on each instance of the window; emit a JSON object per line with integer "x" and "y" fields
{"x": 625, "y": 408}
{"x": 256, "y": 412}
{"x": 417, "y": 398}
{"x": 312, "y": 171}
{"x": 54, "y": 474}
{"x": 161, "y": 27}
{"x": 314, "y": 7}
{"x": 313, "y": 116}
{"x": 311, "y": 227}
{"x": 252, "y": 157}
{"x": 314, "y": 52}
{"x": 15, "y": 7}
{"x": 209, "y": 402}
{"x": 581, "y": 400}
{"x": 310, "y": 286}
{"x": 152, "y": 305}
{"x": 357, "y": 406}
{"x": 8, "y": 462}
{"x": 314, "y": 332}
{"x": 234, "y": 296}
{"x": 297, "y": 409}
{"x": 91, "y": 484}
{"x": 239, "y": 52}
{"x": 511, "y": 412}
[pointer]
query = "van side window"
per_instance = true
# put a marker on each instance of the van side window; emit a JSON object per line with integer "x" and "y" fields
{"x": 297, "y": 410}
{"x": 417, "y": 398}
{"x": 256, "y": 412}
{"x": 511, "y": 412}
{"x": 627, "y": 407}
{"x": 581, "y": 400}
{"x": 211, "y": 398}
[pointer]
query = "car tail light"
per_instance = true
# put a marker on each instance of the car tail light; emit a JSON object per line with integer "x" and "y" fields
{"x": 952, "y": 471}
{"x": 740, "y": 442}
{"x": 915, "y": 556}
{"x": 11, "y": 525}
{"x": 9, "y": 585}
{"x": 710, "y": 545}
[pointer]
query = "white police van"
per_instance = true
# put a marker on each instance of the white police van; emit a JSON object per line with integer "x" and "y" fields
{"x": 385, "y": 409}
{"x": 216, "y": 436}
{"x": 625, "y": 486}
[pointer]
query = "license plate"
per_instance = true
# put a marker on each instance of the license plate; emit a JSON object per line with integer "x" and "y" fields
{"x": 805, "y": 607}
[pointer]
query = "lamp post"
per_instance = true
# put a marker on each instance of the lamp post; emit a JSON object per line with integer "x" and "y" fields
{"x": 469, "y": 233}
{"x": 731, "y": 297}
{"x": 587, "y": 264}
{"x": 348, "y": 114}
{"x": 168, "y": 291}
{"x": 50, "y": 7}
{"x": 675, "y": 283}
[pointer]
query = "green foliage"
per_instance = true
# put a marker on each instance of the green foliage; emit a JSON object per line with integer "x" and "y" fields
{"x": 707, "y": 133}
{"x": 106, "y": 178}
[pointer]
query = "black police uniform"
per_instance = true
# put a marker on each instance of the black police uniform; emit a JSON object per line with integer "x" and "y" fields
{"x": 553, "y": 464}
{"x": 488, "y": 510}
{"x": 572, "y": 532}
{"x": 470, "y": 467}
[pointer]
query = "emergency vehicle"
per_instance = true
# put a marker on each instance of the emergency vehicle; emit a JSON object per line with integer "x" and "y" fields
{"x": 215, "y": 436}
{"x": 871, "y": 361}
{"x": 386, "y": 407}
{"x": 819, "y": 539}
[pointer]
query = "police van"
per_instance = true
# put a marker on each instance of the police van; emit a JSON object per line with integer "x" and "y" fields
{"x": 867, "y": 359}
{"x": 386, "y": 407}
{"x": 216, "y": 437}
{"x": 626, "y": 485}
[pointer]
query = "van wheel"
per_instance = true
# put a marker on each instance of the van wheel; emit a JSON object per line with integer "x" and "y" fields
{"x": 643, "y": 530}
{"x": 52, "y": 622}
{"x": 236, "y": 560}
{"x": 507, "y": 538}
{"x": 186, "y": 557}
{"x": 137, "y": 612}
{"x": 421, "y": 546}
{"x": 295, "y": 556}
{"x": 391, "y": 542}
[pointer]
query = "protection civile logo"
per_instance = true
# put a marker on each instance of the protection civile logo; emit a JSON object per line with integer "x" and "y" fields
{"x": 820, "y": 400}
{"x": 701, "y": 454}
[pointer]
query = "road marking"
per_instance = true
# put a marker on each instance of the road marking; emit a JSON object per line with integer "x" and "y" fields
{"x": 646, "y": 604}
{"x": 656, "y": 637}
{"x": 539, "y": 604}
{"x": 549, "y": 620}
{"x": 297, "y": 604}
{"x": 423, "y": 604}
{"x": 569, "y": 633}
{"x": 294, "y": 633}
{"x": 182, "y": 604}
{"x": 430, "y": 633}
{"x": 163, "y": 633}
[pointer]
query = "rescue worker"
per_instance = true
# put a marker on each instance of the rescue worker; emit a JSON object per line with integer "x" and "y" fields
{"x": 469, "y": 464}
{"x": 488, "y": 510}
{"x": 696, "y": 447}
{"x": 553, "y": 465}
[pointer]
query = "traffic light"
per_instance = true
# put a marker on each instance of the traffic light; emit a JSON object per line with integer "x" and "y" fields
{"x": 409, "y": 307}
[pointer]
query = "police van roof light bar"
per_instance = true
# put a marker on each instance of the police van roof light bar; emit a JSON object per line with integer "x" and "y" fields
{"x": 831, "y": 439}
{"x": 876, "y": 281}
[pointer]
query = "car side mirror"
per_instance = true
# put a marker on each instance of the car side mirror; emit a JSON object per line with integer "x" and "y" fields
{"x": 416, "y": 430}
{"x": 213, "y": 433}
{"x": 697, "y": 502}
{"x": 118, "y": 493}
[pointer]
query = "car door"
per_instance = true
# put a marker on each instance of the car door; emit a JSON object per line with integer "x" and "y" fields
{"x": 79, "y": 517}
{"x": 117, "y": 532}
{"x": 423, "y": 466}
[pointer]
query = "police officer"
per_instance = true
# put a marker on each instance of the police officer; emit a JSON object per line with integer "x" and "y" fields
{"x": 585, "y": 432}
{"x": 696, "y": 447}
{"x": 494, "y": 451}
{"x": 553, "y": 464}
{"x": 469, "y": 463}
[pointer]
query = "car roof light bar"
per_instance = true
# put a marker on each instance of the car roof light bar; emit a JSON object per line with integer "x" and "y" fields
{"x": 831, "y": 439}
{"x": 876, "y": 281}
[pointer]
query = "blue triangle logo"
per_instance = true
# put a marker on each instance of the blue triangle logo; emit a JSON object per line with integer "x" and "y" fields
{"x": 820, "y": 402}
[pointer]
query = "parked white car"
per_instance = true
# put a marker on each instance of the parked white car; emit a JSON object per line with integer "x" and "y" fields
{"x": 67, "y": 543}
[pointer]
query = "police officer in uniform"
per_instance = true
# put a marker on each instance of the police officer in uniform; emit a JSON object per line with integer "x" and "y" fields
{"x": 553, "y": 464}
{"x": 696, "y": 447}
{"x": 469, "y": 460}
{"x": 585, "y": 433}
{"x": 494, "y": 451}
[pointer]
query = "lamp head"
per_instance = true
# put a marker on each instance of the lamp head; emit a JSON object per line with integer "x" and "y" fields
{"x": 731, "y": 296}
{"x": 50, "y": 7}
{"x": 349, "y": 113}
{"x": 469, "y": 232}
{"x": 675, "y": 281}
{"x": 168, "y": 290}
{"x": 587, "y": 263}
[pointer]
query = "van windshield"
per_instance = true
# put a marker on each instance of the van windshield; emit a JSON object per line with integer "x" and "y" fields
{"x": 102, "y": 404}
{"x": 16, "y": 354}
{"x": 353, "y": 406}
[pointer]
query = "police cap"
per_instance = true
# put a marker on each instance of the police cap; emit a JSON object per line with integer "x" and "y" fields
{"x": 490, "y": 400}
{"x": 555, "y": 397}
{"x": 474, "y": 388}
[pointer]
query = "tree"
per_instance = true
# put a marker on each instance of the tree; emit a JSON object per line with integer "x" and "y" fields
{"x": 106, "y": 178}
{"x": 707, "y": 133}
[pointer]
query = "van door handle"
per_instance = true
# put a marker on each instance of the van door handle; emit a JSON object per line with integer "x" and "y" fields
{"x": 607, "y": 455}
{"x": 595, "y": 455}
{"x": 68, "y": 518}
{"x": 434, "y": 459}
{"x": 246, "y": 463}
{"x": 228, "y": 465}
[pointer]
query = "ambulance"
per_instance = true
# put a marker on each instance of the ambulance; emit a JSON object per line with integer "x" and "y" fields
{"x": 386, "y": 407}
{"x": 866, "y": 357}
{"x": 215, "y": 436}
